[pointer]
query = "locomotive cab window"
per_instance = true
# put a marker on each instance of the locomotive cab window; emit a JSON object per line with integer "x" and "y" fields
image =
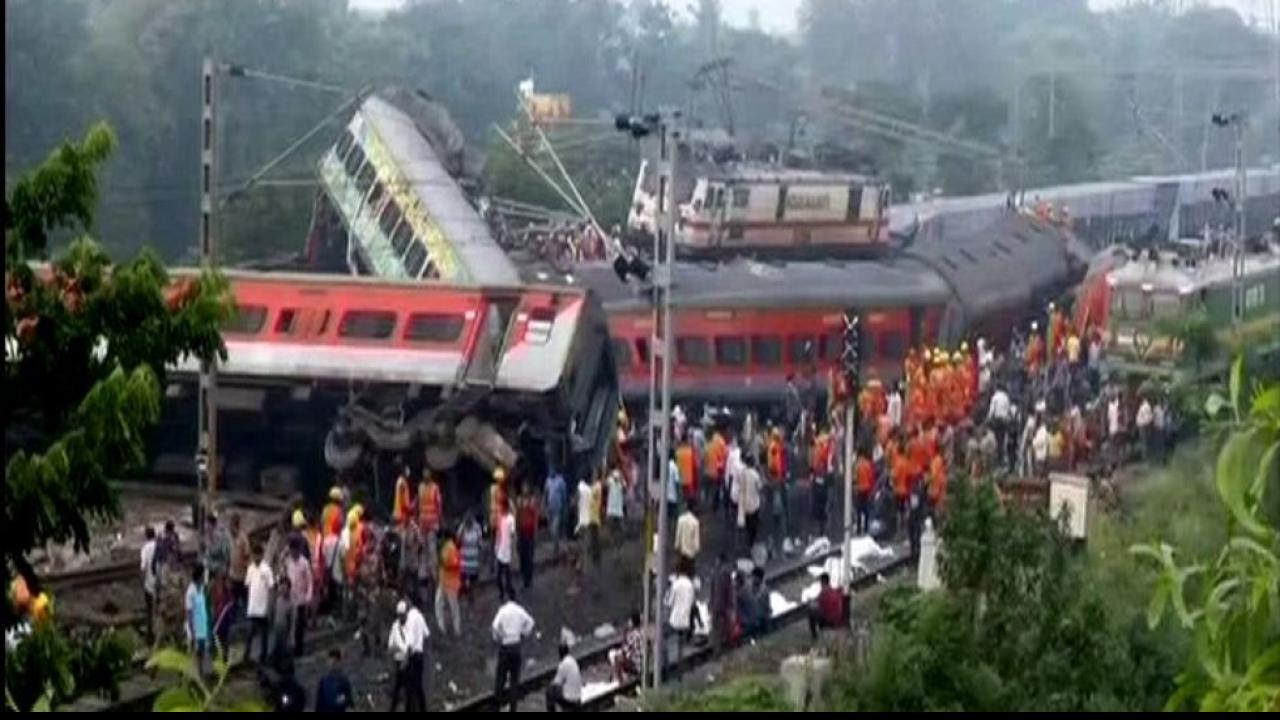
{"x": 433, "y": 327}
{"x": 693, "y": 351}
{"x": 367, "y": 324}
{"x": 731, "y": 351}
{"x": 766, "y": 350}
{"x": 247, "y": 320}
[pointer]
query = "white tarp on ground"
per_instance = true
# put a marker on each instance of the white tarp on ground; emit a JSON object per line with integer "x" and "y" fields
{"x": 862, "y": 550}
{"x": 593, "y": 690}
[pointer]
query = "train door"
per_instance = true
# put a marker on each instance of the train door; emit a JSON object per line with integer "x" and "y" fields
{"x": 482, "y": 365}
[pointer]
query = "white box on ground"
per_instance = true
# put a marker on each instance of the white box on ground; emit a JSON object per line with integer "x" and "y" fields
{"x": 1071, "y": 491}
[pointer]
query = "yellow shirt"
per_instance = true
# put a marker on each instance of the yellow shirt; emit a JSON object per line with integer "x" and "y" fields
{"x": 1073, "y": 348}
{"x": 1057, "y": 443}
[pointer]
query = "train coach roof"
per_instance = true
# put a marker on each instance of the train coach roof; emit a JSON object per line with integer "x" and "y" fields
{"x": 745, "y": 283}
{"x": 484, "y": 262}
{"x": 1010, "y": 262}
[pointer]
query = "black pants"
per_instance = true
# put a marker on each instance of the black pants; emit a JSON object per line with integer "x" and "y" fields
{"x": 400, "y": 687}
{"x": 505, "y": 587}
{"x": 150, "y": 600}
{"x": 862, "y": 520}
{"x": 820, "y": 506}
{"x": 507, "y": 679}
{"x": 257, "y": 628}
{"x": 299, "y": 629}
{"x": 525, "y": 545}
{"x": 556, "y": 700}
{"x": 415, "y": 697}
{"x": 752, "y": 521}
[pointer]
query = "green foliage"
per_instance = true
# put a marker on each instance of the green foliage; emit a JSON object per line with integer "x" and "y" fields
{"x": 748, "y": 694}
{"x": 1230, "y": 604}
{"x": 1195, "y": 337}
{"x": 86, "y": 347}
{"x": 1018, "y": 627}
{"x": 48, "y": 668}
{"x": 192, "y": 693}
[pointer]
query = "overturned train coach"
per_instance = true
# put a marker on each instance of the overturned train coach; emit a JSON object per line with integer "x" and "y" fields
{"x": 338, "y": 369}
{"x": 742, "y": 328}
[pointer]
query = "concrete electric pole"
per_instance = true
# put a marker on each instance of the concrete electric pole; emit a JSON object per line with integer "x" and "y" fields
{"x": 207, "y": 423}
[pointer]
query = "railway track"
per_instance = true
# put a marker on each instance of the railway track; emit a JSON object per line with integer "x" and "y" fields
{"x": 596, "y": 652}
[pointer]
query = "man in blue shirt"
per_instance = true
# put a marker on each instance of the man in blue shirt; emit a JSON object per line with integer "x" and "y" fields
{"x": 197, "y": 611}
{"x": 333, "y": 692}
{"x": 554, "y": 500}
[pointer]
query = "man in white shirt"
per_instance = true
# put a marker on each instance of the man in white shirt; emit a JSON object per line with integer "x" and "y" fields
{"x": 259, "y": 581}
{"x": 503, "y": 541}
{"x": 586, "y": 496}
{"x": 999, "y": 413}
{"x": 565, "y": 690}
{"x": 894, "y": 406}
{"x": 407, "y": 644}
{"x": 1143, "y": 422}
{"x": 681, "y": 597}
{"x": 749, "y": 503}
{"x": 688, "y": 538}
{"x": 511, "y": 625}
{"x": 1040, "y": 449}
{"x": 147, "y": 564}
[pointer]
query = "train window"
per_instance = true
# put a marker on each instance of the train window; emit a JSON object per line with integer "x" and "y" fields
{"x": 344, "y": 145}
{"x": 354, "y": 161}
{"x": 400, "y": 238}
{"x": 855, "y": 202}
{"x": 415, "y": 259}
{"x": 731, "y": 351}
{"x": 247, "y": 320}
{"x": 766, "y": 350}
{"x": 433, "y": 327}
{"x": 324, "y": 323}
{"x": 286, "y": 321}
{"x": 693, "y": 351}
{"x": 621, "y": 352}
{"x": 374, "y": 203}
{"x": 894, "y": 345}
{"x": 430, "y": 272}
{"x": 642, "y": 350}
{"x": 367, "y": 324}
{"x": 801, "y": 349}
{"x": 366, "y": 177}
{"x": 389, "y": 218}
{"x": 741, "y": 197}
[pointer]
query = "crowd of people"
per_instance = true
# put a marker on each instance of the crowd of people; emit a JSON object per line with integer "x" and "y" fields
{"x": 1040, "y": 405}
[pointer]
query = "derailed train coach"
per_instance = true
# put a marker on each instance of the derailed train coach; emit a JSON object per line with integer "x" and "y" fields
{"x": 744, "y": 327}
{"x": 327, "y": 373}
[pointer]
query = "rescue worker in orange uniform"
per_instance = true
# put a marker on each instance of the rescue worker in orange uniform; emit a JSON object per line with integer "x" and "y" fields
{"x": 937, "y": 481}
{"x": 777, "y": 457}
{"x": 900, "y": 469}
{"x": 332, "y": 517}
{"x": 402, "y": 506}
{"x": 910, "y": 365}
{"x": 715, "y": 462}
{"x": 355, "y": 545}
{"x": 864, "y": 475}
{"x": 820, "y": 463}
{"x": 1035, "y": 351}
{"x": 917, "y": 454}
{"x": 687, "y": 462}
{"x": 430, "y": 505}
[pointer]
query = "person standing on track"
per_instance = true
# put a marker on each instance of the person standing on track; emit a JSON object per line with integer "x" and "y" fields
{"x": 688, "y": 539}
{"x": 504, "y": 540}
{"x": 147, "y": 565}
{"x": 259, "y": 581}
{"x": 449, "y": 586}
{"x": 526, "y": 533}
{"x": 511, "y": 625}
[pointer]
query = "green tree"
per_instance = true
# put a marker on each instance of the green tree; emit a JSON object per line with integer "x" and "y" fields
{"x": 86, "y": 346}
{"x": 1231, "y": 604}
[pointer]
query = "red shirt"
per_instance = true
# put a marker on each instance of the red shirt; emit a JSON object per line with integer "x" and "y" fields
{"x": 527, "y": 518}
{"x": 831, "y": 606}
{"x": 866, "y": 473}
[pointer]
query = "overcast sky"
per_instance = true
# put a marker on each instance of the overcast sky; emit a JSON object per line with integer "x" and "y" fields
{"x": 780, "y": 15}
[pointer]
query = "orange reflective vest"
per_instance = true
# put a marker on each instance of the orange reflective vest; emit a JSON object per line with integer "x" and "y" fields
{"x": 1035, "y": 354}
{"x": 917, "y": 453}
{"x": 937, "y": 480}
{"x": 430, "y": 506}
{"x": 687, "y": 461}
{"x": 355, "y": 552}
{"x": 820, "y": 456}
{"x": 402, "y": 509}
{"x": 901, "y": 466}
{"x": 865, "y": 475}
{"x": 331, "y": 519}
{"x": 777, "y": 460}
{"x": 717, "y": 457}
